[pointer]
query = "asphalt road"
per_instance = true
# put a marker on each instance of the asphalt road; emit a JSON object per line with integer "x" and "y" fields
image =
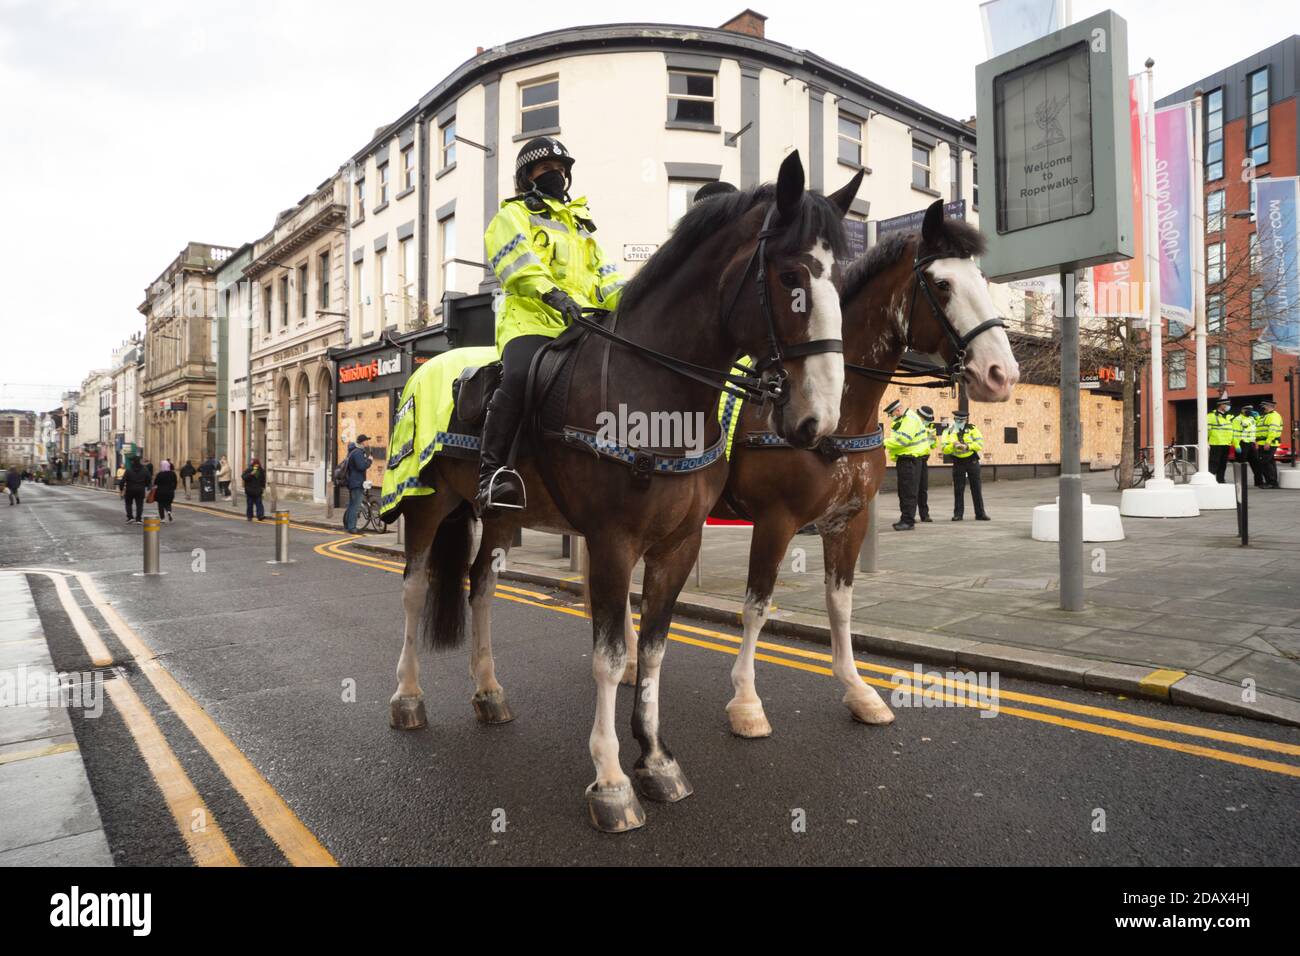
{"x": 295, "y": 664}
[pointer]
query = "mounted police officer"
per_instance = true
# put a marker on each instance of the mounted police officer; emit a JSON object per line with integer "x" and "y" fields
{"x": 963, "y": 442}
{"x": 1218, "y": 425}
{"x": 542, "y": 249}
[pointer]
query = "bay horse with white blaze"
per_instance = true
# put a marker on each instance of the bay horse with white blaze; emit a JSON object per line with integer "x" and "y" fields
{"x": 704, "y": 298}
{"x": 922, "y": 292}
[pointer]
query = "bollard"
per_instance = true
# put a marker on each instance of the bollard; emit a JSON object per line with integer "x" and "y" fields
{"x": 576, "y": 544}
{"x": 281, "y": 538}
{"x": 151, "y": 562}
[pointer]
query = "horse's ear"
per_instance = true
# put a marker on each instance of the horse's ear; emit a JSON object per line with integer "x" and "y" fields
{"x": 789, "y": 186}
{"x": 843, "y": 197}
{"x": 932, "y": 227}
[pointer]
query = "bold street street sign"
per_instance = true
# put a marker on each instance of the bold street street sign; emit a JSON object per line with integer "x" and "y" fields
{"x": 1052, "y": 123}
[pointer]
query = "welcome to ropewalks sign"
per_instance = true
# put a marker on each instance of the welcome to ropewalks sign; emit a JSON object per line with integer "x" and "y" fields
{"x": 1052, "y": 126}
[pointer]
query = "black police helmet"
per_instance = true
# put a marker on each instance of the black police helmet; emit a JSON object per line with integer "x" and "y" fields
{"x": 536, "y": 150}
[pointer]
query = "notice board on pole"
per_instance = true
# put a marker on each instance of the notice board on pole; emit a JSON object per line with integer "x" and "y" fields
{"x": 1051, "y": 119}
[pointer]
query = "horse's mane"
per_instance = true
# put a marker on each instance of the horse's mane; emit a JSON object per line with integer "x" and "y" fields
{"x": 816, "y": 218}
{"x": 957, "y": 240}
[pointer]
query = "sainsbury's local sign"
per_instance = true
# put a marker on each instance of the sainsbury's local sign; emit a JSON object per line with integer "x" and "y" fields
{"x": 371, "y": 369}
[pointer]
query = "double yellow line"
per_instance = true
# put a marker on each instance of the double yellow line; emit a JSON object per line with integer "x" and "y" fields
{"x": 203, "y": 836}
{"x": 816, "y": 662}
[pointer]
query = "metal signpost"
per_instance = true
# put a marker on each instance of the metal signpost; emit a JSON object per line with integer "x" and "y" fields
{"x": 1053, "y": 128}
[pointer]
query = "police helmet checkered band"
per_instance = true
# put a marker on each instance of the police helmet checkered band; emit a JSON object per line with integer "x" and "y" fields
{"x": 535, "y": 150}
{"x": 926, "y": 413}
{"x": 960, "y": 416}
{"x": 892, "y": 407}
{"x": 1268, "y": 401}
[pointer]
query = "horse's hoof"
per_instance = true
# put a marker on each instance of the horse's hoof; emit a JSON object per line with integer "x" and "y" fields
{"x": 629, "y": 674}
{"x": 748, "y": 720}
{"x": 869, "y": 710}
{"x": 491, "y": 708}
{"x": 663, "y": 783}
{"x": 615, "y": 810}
{"x": 407, "y": 713}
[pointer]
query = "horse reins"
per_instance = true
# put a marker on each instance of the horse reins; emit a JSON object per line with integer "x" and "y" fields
{"x": 946, "y": 375}
{"x": 751, "y": 387}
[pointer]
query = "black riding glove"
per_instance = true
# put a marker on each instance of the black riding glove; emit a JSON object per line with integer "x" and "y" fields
{"x": 563, "y": 303}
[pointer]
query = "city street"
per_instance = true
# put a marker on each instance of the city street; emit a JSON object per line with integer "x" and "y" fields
{"x": 270, "y": 687}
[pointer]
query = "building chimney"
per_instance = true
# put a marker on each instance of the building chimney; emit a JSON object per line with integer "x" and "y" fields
{"x": 747, "y": 22}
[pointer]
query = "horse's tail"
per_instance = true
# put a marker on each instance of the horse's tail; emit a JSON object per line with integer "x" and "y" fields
{"x": 586, "y": 574}
{"x": 443, "y": 621}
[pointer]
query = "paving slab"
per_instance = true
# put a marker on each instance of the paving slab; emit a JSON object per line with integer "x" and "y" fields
{"x": 1155, "y": 650}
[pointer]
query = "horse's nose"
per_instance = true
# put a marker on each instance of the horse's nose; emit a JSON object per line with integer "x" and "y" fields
{"x": 1003, "y": 378}
{"x": 805, "y": 436}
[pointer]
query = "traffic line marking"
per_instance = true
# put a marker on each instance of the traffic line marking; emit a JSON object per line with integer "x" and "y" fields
{"x": 1096, "y": 712}
{"x": 50, "y": 751}
{"x": 206, "y": 843}
{"x": 1158, "y": 682}
{"x": 96, "y": 649}
{"x": 298, "y": 844}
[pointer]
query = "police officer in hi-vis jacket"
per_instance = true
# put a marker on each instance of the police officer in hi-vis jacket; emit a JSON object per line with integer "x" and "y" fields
{"x": 964, "y": 442}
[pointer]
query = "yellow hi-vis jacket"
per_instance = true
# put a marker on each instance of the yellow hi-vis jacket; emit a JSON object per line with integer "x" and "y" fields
{"x": 1243, "y": 430}
{"x": 534, "y": 250}
{"x": 969, "y": 436}
{"x": 907, "y": 436}
{"x": 1220, "y": 428}
{"x": 1269, "y": 428}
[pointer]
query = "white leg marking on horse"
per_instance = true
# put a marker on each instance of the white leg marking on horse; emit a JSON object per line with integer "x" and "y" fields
{"x": 482, "y": 667}
{"x": 860, "y": 697}
{"x": 408, "y": 665}
{"x": 629, "y": 639}
{"x": 607, "y": 670}
{"x": 745, "y": 710}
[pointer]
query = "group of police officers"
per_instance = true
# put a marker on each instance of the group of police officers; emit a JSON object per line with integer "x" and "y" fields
{"x": 1256, "y": 433}
{"x": 913, "y": 436}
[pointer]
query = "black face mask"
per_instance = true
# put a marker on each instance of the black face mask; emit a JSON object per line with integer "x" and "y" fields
{"x": 551, "y": 183}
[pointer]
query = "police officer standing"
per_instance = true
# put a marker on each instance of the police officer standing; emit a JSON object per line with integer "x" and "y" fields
{"x": 926, "y": 414}
{"x": 1219, "y": 426}
{"x": 1269, "y": 437}
{"x": 1243, "y": 434}
{"x": 906, "y": 445}
{"x": 964, "y": 442}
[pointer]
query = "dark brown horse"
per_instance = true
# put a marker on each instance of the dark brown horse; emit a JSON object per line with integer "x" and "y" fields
{"x": 699, "y": 299}
{"x": 782, "y": 489}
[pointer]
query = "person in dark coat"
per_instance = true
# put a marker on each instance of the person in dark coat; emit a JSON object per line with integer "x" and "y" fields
{"x": 135, "y": 483}
{"x": 164, "y": 489}
{"x": 358, "y": 464}
{"x": 208, "y": 476}
{"x": 254, "y": 479}
{"x": 188, "y": 471}
{"x": 12, "y": 480}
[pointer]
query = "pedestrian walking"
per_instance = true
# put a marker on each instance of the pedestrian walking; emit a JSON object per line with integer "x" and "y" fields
{"x": 254, "y": 479}
{"x": 13, "y": 480}
{"x": 1267, "y": 440}
{"x": 963, "y": 442}
{"x": 164, "y": 489}
{"x": 135, "y": 483}
{"x": 188, "y": 471}
{"x": 223, "y": 477}
{"x": 906, "y": 439}
{"x": 923, "y": 484}
{"x": 1221, "y": 436}
{"x": 358, "y": 462}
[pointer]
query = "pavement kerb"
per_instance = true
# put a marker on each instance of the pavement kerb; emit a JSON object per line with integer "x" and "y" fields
{"x": 1194, "y": 690}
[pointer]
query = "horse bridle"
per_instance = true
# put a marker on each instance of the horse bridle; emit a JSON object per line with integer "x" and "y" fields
{"x": 773, "y": 389}
{"x": 946, "y": 374}
{"x": 746, "y": 383}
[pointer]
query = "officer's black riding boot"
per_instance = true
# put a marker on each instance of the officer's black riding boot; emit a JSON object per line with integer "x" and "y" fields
{"x": 499, "y": 486}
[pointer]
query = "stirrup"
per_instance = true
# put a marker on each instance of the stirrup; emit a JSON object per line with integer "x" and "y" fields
{"x": 505, "y": 472}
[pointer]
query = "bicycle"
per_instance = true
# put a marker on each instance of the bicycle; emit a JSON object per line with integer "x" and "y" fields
{"x": 1177, "y": 468}
{"x": 368, "y": 514}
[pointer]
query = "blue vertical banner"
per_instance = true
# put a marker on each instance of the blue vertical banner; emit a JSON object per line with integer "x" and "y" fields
{"x": 1277, "y": 221}
{"x": 1173, "y": 232}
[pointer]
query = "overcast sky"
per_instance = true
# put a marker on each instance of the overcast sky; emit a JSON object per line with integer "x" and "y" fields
{"x": 130, "y": 128}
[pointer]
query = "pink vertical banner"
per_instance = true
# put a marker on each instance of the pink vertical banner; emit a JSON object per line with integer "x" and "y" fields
{"x": 1174, "y": 190}
{"x": 1118, "y": 286}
